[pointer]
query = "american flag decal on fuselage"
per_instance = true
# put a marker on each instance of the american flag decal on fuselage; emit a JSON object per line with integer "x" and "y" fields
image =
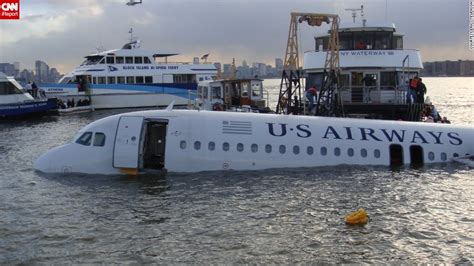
{"x": 237, "y": 127}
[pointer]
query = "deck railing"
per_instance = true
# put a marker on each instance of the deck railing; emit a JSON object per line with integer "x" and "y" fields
{"x": 373, "y": 95}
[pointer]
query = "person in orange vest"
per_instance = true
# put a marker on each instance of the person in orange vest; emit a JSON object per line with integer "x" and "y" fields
{"x": 413, "y": 84}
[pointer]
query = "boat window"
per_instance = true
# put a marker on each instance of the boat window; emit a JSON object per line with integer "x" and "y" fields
{"x": 110, "y": 60}
{"x": 9, "y": 88}
{"x": 383, "y": 40}
{"x": 146, "y": 60}
{"x": 245, "y": 89}
{"x": 201, "y": 79}
{"x": 282, "y": 149}
{"x": 344, "y": 80}
{"x": 94, "y": 80}
{"x": 377, "y": 153}
{"x": 138, "y": 60}
{"x": 388, "y": 80}
{"x": 148, "y": 79}
{"x": 197, "y": 145}
{"x": 99, "y": 139}
{"x": 205, "y": 92}
{"x": 296, "y": 149}
{"x": 322, "y": 43}
{"x": 254, "y": 147}
{"x": 225, "y": 146}
{"x": 256, "y": 89}
{"x": 85, "y": 139}
{"x": 350, "y": 152}
{"x": 363, "y": 40}
{"x": 397, "y": 42}
{"x": 216, "y": 93}
{"x": 268, "y": 148}
{"x": 337, "y": 152}
{"x": 129, "y": 59}
{"x": 345, "y": 41}
{"x": 139, "y": 80}
{"x": 444, "y": 157}
{"x": 431, "y": 156}
{"x": 110, "y": 80}
{"x": 240, "y": 147}
{"x": 130, "y": 80}
{"x": 315, "y": 79}
{"x": 119, "y": 60}
{"x": 324, "y": 151}
{"x": 102, "y": 61}
{"x": 92, "y": 60}
{"x": 309, "y": 150}
{"x": 455, "y": 155}
{"x": 182, "y": 144}
{"x": 101, "y": 80}
{"x": 211, "y": 146}
{"x": 121, "y": 80}
{"x": 363, "y": 153}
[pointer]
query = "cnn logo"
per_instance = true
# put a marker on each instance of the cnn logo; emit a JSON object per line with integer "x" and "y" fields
{"x": 9, "y": 9}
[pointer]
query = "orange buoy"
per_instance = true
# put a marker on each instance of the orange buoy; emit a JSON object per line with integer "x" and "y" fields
{"x": 358, "y": 217}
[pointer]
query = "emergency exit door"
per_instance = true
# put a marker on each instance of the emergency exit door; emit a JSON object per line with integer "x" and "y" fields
{"x": 127, "y": 142}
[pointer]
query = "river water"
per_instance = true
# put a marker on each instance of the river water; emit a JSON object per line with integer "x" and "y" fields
{"x": 277, "y": 216}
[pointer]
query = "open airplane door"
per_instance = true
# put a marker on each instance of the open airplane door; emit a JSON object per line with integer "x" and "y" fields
{"x": 127, "y": 142}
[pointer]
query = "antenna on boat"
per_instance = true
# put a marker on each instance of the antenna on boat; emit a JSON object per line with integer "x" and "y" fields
{"x": 354, "y": 12}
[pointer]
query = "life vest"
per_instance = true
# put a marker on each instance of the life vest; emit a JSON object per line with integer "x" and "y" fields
{"x": 413, "y": 83}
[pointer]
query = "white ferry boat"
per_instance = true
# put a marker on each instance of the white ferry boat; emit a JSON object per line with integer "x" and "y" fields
{"x": 375, "y": 70}
{"x": 131, "y": 77}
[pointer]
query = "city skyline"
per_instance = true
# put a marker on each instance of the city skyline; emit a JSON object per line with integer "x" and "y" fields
{"x": 63, "y": 32}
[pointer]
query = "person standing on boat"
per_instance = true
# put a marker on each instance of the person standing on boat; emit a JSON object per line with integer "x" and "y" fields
{"x": 34, "y": 88}
{"x": 420, "y": 91}
{"x": 412, "y": 90}
{"x": 311, "y": 94}
{"x": 28, "y": 88}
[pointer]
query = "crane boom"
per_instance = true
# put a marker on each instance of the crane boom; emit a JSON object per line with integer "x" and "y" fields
{"x": 290, "y": 86}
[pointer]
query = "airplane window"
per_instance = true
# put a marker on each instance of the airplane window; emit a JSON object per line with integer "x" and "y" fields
{"x": 309, "y": 150}
{"x": 254, "y": 147}
{"x": 85, "y": 139}
{"x": 444, "y": 157}
{"x": 268, "y": 148}
{"x": 431, "y": 156}
{"x": 197, "y": 145}
{"x": 350, "y": 152}
{"x": 240, "y": 147}
{"x": 377, "y": 153}
{"x": 363, "y": 153}
{"x": 337, "y": 152}
{"x": 296, "y": 149}
{"x": 225, "y": 146}
{"x": 99, "y": 139}
{"x": 324, "y": 151}
{"x": 282, "y": 149}
{"x": 211, "y": 146}
{"x": 182, "y": 144}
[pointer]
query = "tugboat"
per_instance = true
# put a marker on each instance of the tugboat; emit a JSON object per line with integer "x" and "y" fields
{"x": 14, "y": 102}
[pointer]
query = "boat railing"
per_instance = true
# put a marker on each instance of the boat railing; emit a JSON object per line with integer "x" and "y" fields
{"x": 373, "y": 94}
{"x": 353, "y": 50}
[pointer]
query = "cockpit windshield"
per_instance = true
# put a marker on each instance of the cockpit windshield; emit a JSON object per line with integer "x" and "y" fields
{"x": 92, "y": 60}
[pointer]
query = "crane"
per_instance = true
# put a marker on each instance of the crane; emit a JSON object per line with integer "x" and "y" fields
{"x": 290, "y": 86}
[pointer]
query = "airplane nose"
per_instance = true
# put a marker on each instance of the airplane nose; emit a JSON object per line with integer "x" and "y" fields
{"x": 43, "y": 163}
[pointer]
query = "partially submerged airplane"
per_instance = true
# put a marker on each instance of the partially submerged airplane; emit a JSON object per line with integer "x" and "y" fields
{"x": 193, "y": 141}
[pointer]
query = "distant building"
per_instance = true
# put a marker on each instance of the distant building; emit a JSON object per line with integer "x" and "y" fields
{"x": 279, "y": 64}
{"x": 54, "y": 75}
{"x": 8, "y": 69}
{"x": 42, "y": 71}
{"x": 448, "y": 68}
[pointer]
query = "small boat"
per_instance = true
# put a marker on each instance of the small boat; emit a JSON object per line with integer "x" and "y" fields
{"x": 15, "y": 102}
{"x": 235, "y": 95}
{"x": 468, "y": 160}
{"x": 76, "y": 110}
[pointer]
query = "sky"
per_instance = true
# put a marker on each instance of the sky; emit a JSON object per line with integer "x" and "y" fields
{"x": 62, "y": 32}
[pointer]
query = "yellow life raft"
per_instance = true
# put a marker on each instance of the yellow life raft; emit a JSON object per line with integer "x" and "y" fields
{"x": 358, "y": 217}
